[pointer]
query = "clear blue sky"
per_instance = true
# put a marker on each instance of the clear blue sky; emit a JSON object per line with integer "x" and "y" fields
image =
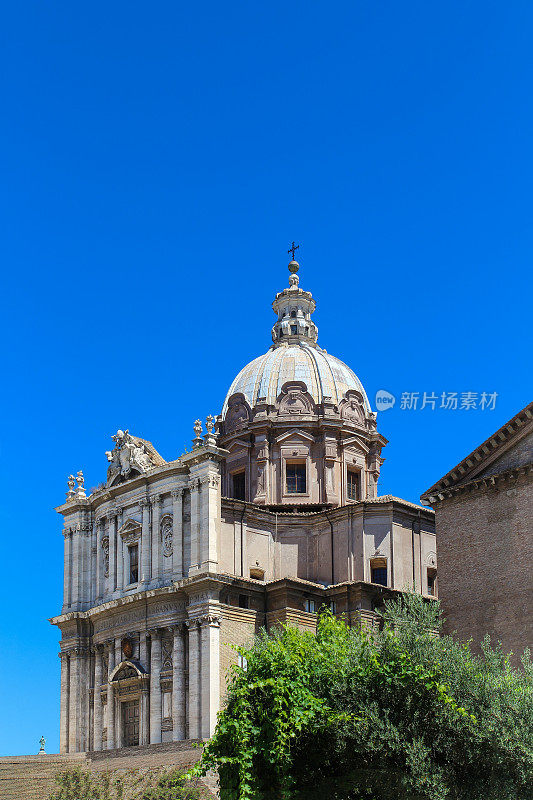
{"x": 157, "y": 160}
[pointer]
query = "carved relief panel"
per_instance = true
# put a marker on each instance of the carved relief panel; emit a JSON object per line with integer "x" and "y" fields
{"x": 352, "y": 408}
{"x": 166, "y": 535}
{"x": 295, "y": 400}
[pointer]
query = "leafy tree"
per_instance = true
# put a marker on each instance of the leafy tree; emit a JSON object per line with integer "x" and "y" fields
{"x": 402, "y": 713}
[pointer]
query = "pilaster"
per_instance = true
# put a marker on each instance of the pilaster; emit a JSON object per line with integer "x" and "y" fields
{"x": 195, "y": 667}
{"x": 99, "y": 560}
{"x": 97, "y": 699}
{"x": 195, "y": 488}
{"x": 74, "y": 705}
{"x": 209, "y": 675}
{"x": 210, "y": 518}
{"x": 145, "y": 542}
{"x": 178, "y": 685}
{"x": 156, "y": 538}
{"x": 120, "y": 551}
{"x": 75, "y": 569}
{"x": 155, "y": 687}
{"x": 111, "y": 533}
{"x": 110, "y": 706}
{"x": 67, "y": 570}
{"x": 177, "y": 534}
{"x": 64, "y": 708}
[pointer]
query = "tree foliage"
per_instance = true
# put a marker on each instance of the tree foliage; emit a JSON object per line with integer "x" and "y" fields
{"x": 401, "y": 713}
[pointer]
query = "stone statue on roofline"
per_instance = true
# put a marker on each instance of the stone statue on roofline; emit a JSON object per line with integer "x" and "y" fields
{"x": 128, "y": 456}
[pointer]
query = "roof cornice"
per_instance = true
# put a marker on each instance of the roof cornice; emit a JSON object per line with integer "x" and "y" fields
{"x": 466, "y": 471}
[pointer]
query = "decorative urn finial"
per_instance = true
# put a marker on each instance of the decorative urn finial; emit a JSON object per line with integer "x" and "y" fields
{"x": 81, "y": 484}
{"x": 198, "y": 441}
{"x": 209, "y": 438}
{"x": 71, "y": 482}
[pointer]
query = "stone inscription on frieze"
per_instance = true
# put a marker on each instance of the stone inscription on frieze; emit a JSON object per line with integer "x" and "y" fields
{"x": 128, "y": 619}
{"x": 118, "y": 620}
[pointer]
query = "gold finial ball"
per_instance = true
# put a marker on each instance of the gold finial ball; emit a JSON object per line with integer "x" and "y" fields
{"x": 294, "y": 266}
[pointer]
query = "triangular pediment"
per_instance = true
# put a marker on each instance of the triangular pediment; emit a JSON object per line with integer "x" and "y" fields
{"x": 355, "y": 443}
{"x": 238, "y": 444}
{"x": 511, "y": 447}
{"x": 295, "y": 435}
{"x": 129, "y": 526}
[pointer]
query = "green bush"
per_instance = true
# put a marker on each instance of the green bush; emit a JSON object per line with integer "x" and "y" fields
{"x": 403, "y": 713}
{"x": 78, "y": 784}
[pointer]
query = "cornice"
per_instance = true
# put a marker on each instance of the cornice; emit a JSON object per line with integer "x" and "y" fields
{"x": 359, "y": 507}
{"x": 478, "y": 485}
{"x": 485, "y": 454}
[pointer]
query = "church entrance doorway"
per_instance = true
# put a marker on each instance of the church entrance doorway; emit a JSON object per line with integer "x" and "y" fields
{"x": 130, "y": 722}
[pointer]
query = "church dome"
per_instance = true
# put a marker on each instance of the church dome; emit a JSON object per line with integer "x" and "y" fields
{"x": 323, "y": 374}
{"x": 295, "y": 356}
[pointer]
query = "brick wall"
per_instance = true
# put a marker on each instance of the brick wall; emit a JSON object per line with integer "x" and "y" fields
{"x": 237, "y": 627}
{"x": 485, "y": 545}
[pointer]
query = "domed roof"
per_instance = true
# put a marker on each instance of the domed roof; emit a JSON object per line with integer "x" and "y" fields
{"x": 295, "y": 355}
{"x": 324, "y": 375}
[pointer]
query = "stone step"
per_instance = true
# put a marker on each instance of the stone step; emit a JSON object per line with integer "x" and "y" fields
{"x": 32, "y": 777}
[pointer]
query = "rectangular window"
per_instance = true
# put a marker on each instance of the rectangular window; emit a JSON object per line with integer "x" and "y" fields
{"x": 353, "y": 485}
{"x": 296, "y": 479}
{"x": 134, "y": 563}
{"x": 239, "y": 486}
{"x": 244, "y": 601}
{"x": 294, "y": 330}
{"x": 432, "y": 580}
{"x": 310, "y": 605}
{"x": 379, "y": 575}
{"x": 242, "y": 662}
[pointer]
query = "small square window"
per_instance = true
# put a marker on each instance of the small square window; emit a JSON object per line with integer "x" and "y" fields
{"x": 296, "y": 479}
{"x": 379, "y": 575}
{"x": 244, "y": 601}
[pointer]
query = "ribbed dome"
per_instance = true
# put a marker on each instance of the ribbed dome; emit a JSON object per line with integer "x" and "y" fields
{"x": 323, "y": 374}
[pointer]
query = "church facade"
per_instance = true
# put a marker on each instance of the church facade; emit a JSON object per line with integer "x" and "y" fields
{"x": 273, "y": 514}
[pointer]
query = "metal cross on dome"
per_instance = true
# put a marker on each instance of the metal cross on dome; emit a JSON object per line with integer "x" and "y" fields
{"x": 293, "y": 248}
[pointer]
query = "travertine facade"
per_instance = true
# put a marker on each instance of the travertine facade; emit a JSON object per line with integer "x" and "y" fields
{"x": 272, "y": 514}
{"x": 484, "y": 523}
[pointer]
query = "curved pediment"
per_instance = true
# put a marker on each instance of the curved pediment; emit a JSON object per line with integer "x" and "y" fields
{"x": 127, "y": 670}
{"x": 352, "y": 408}
{"x": 295, "y": 399}
{"x": 238, "y": 413}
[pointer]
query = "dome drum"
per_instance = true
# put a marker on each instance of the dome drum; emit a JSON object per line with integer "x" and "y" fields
{"x": 296, "y": 422}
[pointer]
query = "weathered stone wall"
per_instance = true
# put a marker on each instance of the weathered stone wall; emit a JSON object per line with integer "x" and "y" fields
{"x": 485, "y": 542}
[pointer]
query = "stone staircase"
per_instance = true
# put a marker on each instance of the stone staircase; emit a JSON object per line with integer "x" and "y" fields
{"x": 32, "y": 777}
